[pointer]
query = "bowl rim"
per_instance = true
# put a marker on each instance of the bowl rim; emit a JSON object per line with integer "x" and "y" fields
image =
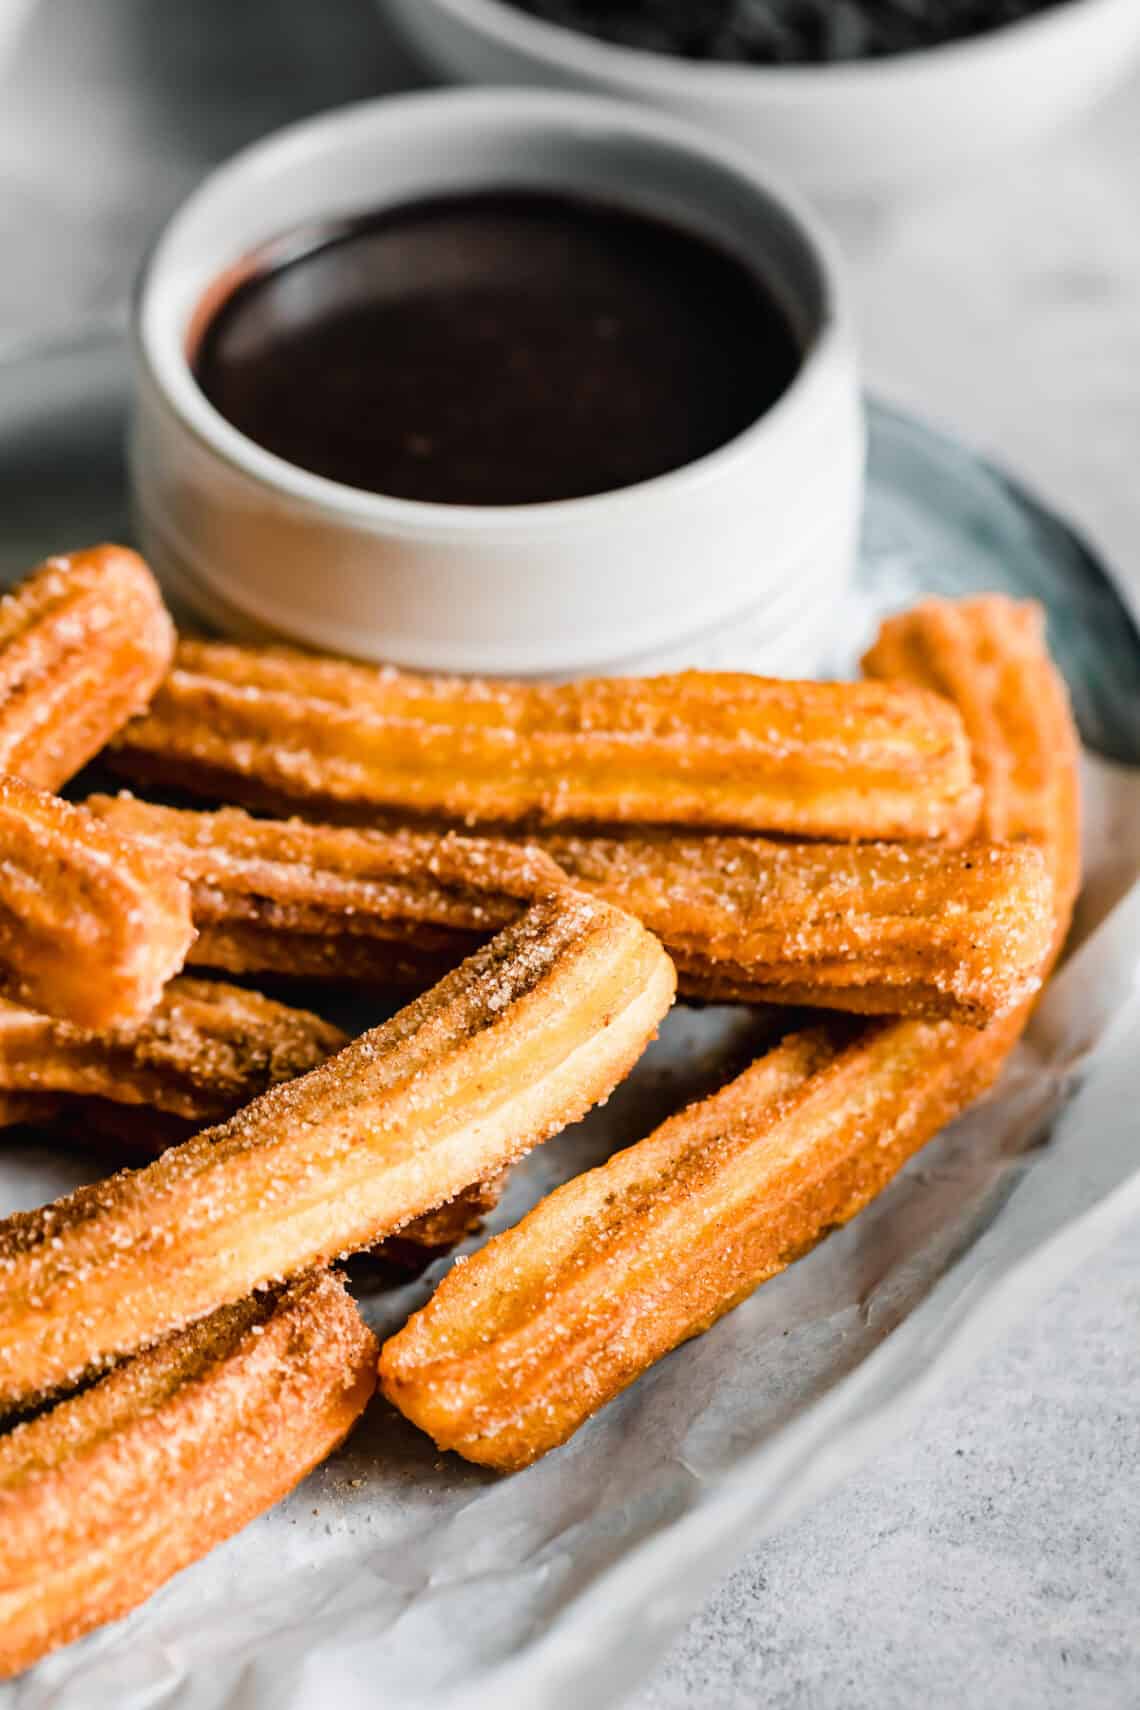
{"x": 591, "y": 56}
{"x": 160, "y": 354}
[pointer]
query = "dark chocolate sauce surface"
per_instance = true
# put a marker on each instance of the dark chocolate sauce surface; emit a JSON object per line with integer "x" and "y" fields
{"x": 496, "y": 349}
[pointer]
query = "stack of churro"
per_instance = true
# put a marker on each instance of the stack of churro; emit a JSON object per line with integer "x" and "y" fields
{"x": 542, "y": 868}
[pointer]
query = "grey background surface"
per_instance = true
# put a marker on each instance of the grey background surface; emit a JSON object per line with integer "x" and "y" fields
{"x": 994, "y": 1557}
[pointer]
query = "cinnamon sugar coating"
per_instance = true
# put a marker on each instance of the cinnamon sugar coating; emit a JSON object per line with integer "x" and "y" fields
{"x": 990, "y": 657}
{"x": 87, "y": 933}
{"x": 517, "y": 1042}
{"x": 109, "y": 1494}
{"x": 877, "y": 928}
{"x": 916, "y": 929}
{"x": 553, "y": 1318}
{"x": 530, "y": 1336}
{"x": 331, "y": 902}
{"x": 84, "y": 643}
{"x": 91, "y": 925}
{"x": 206, "y": 1049}
{"x": 262, "y": 726}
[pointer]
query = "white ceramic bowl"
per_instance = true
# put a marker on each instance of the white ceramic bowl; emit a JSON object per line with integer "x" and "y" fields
{"x": 835, "y": 131}
{"x": 259, "y": 546}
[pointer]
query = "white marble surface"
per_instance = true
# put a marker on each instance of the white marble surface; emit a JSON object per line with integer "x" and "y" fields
{"x": 995, "y": 1558}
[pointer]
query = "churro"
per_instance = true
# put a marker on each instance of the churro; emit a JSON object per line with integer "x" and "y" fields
{"x": 915, "y": 929}
{"x": 109, "y": 1494}
{"x": 91, "y": 926}
{"x": 87, "y": 932}
{"x": 555, "y": 1317}
{"x": 321, "y": 901}
{"x": 262, "y": 726}
{"x": 520, "y": 1040}
{"x": 989, "y": 656}
{"x": 84, "y": 643}
{"x": 878, "y": 928}
{"x": 136, "y": 1134}
{"x": 550, "y": 1320}
{"x": 205, "y": 1050}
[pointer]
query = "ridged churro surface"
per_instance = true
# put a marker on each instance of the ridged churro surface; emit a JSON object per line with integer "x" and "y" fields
{"x": 322, "y": 901}
{"x": 136, "y": 1134}
{"x": 106, "y": 1496}
{"x": 989, "y": 656}
{"x": 729, "y": 751}
{"x": 84, "y": 643}
{"x": 526, "y": 1339}
{"x": 921, "y": 929}
{"x": 520, "y": 1040}
{"x": 91, "y": 925}
{"x": 879, "y": 928}
{"x": 553, "y": 1318}
{"x": 204, "y": 1050}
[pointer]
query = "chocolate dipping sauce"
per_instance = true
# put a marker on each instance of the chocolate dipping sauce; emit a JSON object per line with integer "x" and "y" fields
{"x": 496, "y": 349}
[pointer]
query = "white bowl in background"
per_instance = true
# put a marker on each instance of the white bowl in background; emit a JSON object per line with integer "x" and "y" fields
{"x": 852, "y": 129}
{"x": 259, "y": 546}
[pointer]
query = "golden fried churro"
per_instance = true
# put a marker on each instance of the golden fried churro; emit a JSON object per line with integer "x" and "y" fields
{"x": 879, "y": 928}
{"x": 206, "y": 1050}
{"x": 320, "y": 901}
{"x": 989, "y": 656}
{"x": 520, "y": 1040}
{"x": 84, "y": 643}
{"x": 91, "y": 925}
{"x": 203, "y": 1051}
{"x": 918, "y": 929}
{"x": 136, "y": 1134}
{"x": 530, "y": 1336}
{"x": 109, "y": 1494}
{"x": 735, "y": 752}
